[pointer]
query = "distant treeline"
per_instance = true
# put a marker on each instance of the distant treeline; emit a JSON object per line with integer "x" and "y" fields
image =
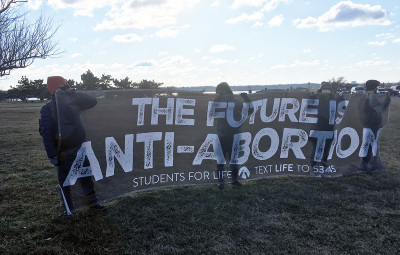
{"x": 37, "y": 88}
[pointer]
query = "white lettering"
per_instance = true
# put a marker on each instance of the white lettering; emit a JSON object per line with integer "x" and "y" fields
{"x": 274, "y": 139}
{"x": 287, "y": 143}
{"x": 148, "y": 139}
{"x": 216, "y": 154}
{"x": 354, "y": 142}
{"x": 114, "y": 151}
{"x": 78, "y": 171}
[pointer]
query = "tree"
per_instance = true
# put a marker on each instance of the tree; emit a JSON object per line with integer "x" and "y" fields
{"x": 145, "y": 84}
{"x": 89, "y": 81}
{"x": 27, "y": 88}
{"x": 23, "y": 90}
{"x": 39, "y": 89}
{"x": 123, "y": 83}
{"x": 105, "y": 81}
{"x": 21, "y": 42}
{"x": 333, "y": 85}
{"x": 71, "y": 82}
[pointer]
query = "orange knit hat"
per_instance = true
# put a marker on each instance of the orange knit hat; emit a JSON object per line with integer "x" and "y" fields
{"x": 54, "y": 82}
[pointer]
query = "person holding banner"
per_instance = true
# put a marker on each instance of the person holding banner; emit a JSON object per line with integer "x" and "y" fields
{"x": 226, "y": 132}
{"x": 371, "y": 108}
{"x": 320, "y": 153}
{"x": 61, "y": 150}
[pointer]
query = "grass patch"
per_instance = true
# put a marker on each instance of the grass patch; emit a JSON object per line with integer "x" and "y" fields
{"x": 357, "y": 214}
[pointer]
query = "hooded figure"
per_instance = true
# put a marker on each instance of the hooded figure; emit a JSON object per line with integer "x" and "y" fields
{"x": 371, "y": 107}
{"x": 226, "y": 132}
{"x": 371, "y": 85}
{"x": 223, "y": 88}
{"x": 63, "y": 134}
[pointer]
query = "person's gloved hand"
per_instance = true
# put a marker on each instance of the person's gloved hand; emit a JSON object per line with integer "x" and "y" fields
{"x": 54, "y": 161}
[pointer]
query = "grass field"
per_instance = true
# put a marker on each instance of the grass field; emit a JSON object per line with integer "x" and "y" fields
{"x": 358, "y": 214}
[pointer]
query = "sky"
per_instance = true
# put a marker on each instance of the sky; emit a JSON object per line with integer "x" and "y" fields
{"x": 186, "y": 43}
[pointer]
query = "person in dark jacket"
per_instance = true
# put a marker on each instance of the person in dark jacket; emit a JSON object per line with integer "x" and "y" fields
{"x": 319, "y": 165}
{"x": 371, "y": 108}
{"x": 62, "y": 113}
{"x": 226, "y": 132}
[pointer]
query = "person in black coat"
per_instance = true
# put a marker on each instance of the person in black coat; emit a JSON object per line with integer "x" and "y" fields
{"x": 226, "y": 132}
{"x": 62, "y": 113}
{"x": 371, "y": 108}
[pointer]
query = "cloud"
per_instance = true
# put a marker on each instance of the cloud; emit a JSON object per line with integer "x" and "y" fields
{"x": 263, "y": 5}
{"x": 144, "y": 14}
{"x": 145, "y": 63}
{"x": 272, "y": 4}
{"x": 372, "y": 63}
{"x": 246, "y": 17}
{"x": 170, "y": 31}
{"x": 220, "y": 48}
{"x": 175, "y": 65}
{"x": 34, "y": 4}
{"x": 127, "y": 38}
{"x": 239, "y": 3}
{"x": 73, "y": 39}
{"x": 258, "y": 24}
{"x": 82, "y": 7}
{"x": 297, "y": 63}
{"x": 385, "y": 35}
{"x": 174, "y": 61}
{"x": 345, "y": 14}
{"x": 377, "y": 43}
{"x": 175, "y": 70}
{"x": 76, "y": 55}
{"x": 215, "y": 3}
{"x": 276, "y": 21}
{"x": 167, "y": 32}
{"x": 267, "y": 5}
{"x": 218, "y": 61}
{"x": 257, "y": 57}
{"x": 96, "y": 41}
{"x": 167, "y": 67}
{"x": 148, "y": 3}
{"x": 396, "y": 40}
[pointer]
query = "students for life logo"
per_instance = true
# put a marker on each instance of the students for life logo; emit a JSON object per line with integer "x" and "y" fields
{"x": 244, "y": 173}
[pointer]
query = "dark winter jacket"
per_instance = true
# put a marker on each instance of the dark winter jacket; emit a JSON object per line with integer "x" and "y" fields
{"x": 371, "y": 107}
{"x": 69, "y": 105}
{"x": 222, "y": 127}
{"x": 48, "y": 127}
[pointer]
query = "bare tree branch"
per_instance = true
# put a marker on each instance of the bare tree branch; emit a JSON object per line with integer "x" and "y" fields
{"x": 22, "y": 42}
